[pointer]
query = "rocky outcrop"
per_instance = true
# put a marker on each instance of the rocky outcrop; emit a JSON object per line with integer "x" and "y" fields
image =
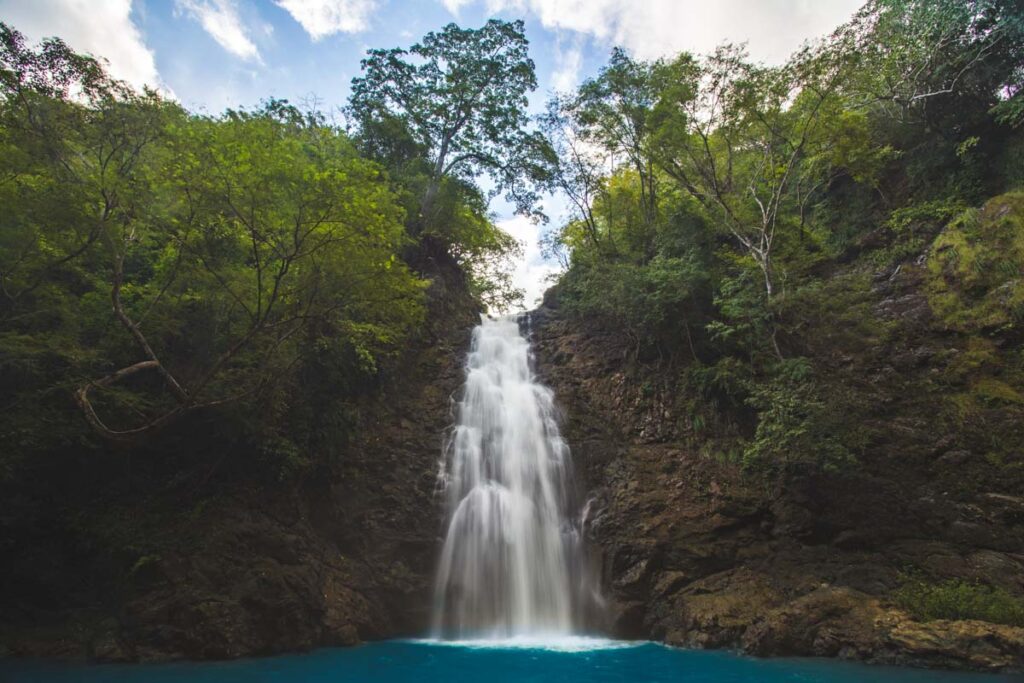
{"x": 697, "y": 552}
{"x": 840, "y": 622}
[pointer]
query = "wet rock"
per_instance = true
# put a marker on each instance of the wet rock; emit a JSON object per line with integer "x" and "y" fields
{"x": 826, "y": 622}
{"x": 717, "y": 611}
{"x": 908, "y": 308}
{"x": 961, "y": 644}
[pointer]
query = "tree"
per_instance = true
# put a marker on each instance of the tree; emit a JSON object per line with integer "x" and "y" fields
{"x": 600, "y": 138}
{"x": 612, "y": 111}
{"x": 577, "y": 169}
{"x": 61, "y": 157}
{"x": 271, "y": 226}
{"x": 907, "y": 54}
{"x": 462, "y": 94}
{"x": 176, "y": 263}
{"x": 738, "y": 138}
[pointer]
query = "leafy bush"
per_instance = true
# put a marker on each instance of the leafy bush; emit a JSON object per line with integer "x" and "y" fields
{"x": 799, "y": 420}
{"x": 959, "y": 599}
{"x": 659, "y": 301}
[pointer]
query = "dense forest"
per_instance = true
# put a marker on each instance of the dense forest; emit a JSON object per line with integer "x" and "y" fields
{"x": 740, "y": 190}
{"x": 158, "y": 263}
{"x": 190, "y": 302}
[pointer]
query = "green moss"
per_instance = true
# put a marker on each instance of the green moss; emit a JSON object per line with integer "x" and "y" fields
{"x": 996, "y": 391}
{"x": 976, "y": 268}
{"x": 959, "y": 599}
{"x": 964, "y": 406}
{"x": 980, "y": 353}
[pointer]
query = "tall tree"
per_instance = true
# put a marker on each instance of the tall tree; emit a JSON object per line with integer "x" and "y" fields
{"x": 577, "y": 169}
{"x": 613, "y": 111}
{"x": 462, "y": 94}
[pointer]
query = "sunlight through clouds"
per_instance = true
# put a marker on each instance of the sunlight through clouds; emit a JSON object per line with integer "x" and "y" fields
{"x": 532, "y": 271}
{"x": 454, "y": 6}
{"x": 569, "y": 63}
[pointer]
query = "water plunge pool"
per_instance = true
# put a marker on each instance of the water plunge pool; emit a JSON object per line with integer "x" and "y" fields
{"x": 562, "y": 660}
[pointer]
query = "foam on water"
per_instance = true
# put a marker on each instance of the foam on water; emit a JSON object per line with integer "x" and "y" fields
{"x": 541, "y": 642}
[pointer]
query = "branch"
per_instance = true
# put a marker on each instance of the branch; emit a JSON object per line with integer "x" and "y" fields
{"x": 140, "y": 339}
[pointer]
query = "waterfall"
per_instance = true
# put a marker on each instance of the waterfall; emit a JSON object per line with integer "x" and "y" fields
{"x": 511, "y": 564}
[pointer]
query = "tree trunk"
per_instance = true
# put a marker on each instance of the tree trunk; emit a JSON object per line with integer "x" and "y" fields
{"x": 766, "y": 268}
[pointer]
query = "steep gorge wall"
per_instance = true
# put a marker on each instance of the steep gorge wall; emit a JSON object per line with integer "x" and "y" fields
{"x": 245, "y": 567}
{"x": 698, "y": 552}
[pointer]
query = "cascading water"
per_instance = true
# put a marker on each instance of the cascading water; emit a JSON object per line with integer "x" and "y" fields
{"x": 512, "y": 561}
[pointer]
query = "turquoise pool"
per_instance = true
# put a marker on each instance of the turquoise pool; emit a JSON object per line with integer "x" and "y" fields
{"x": 568, "y": 660}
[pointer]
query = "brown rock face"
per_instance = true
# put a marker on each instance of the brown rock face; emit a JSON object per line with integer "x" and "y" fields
{"x": 696, "y": 552}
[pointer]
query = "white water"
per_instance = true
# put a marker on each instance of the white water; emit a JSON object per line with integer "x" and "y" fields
{"x": 567, "y": 643}
{"x": 511, "y": 563}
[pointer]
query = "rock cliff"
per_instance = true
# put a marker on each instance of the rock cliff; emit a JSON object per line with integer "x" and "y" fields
{"x": 697, "y": 551}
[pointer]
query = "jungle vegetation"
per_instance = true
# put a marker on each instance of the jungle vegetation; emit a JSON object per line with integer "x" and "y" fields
{"x": 257, "y": 271}
{"x": 737, "y": 219}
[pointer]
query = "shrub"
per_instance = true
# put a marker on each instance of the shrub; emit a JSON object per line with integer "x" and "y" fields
{"x": 959, "y": 599}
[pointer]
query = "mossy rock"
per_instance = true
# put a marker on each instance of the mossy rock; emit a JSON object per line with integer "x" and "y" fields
{"x": 976, "y": 268}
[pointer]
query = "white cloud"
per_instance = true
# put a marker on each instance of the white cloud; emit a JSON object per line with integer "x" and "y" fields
{"x": 321, "y": 18}
{"x": 567, "y": 72}
{"x": 220, "y": 19}
{"x": 532, "y": 271}
{"x": 656, "y": 28}
{"x": 454, "y": 6}
{"x": 103, "y": 29}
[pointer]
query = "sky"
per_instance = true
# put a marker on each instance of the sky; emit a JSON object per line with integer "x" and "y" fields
{"x": 214, "y": 54}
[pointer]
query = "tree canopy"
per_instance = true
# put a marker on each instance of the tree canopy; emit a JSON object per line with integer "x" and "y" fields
{"x": 710, "y": 195}
{"x": 156, "y": 263}
{"x": 462, "y": 96}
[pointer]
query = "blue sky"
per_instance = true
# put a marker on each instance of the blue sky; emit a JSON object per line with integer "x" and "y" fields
{"x": 212, "y": 54}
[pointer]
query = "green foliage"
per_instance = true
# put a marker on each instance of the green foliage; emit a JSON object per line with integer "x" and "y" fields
{"x": 799, "y": 420}
{"x": 958, "y": 599}
{"x": 914, "y": 58}
{"x": 460, "y": 96}
{"x": 243, "y": 255}
{"x": 654, "y": 302}
{"x": 462, "y": 223}
{"x": 233, "y": 239}
{"x": 751, "y": 208}
{"x": 922, "y": 217}
{"x": 650, "y": 279}
{"x": 743, "y": 323}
